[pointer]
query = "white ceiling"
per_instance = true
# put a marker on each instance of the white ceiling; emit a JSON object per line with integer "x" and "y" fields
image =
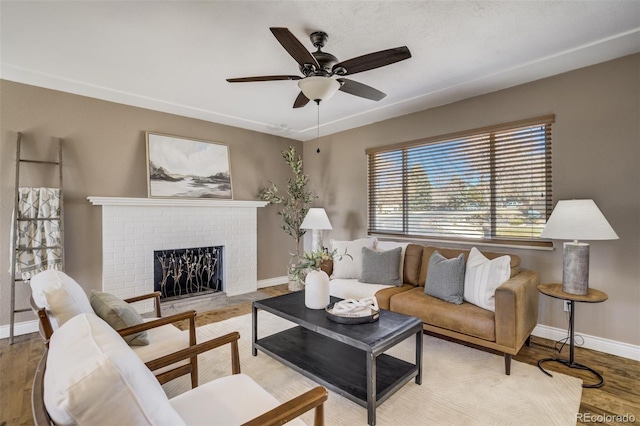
{"x": 175, "y": 56}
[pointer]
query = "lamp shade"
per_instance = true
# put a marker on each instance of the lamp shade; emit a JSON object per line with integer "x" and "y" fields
{"x": 318, "y": 88}
{"x": 316, "y": 218}
{"x": 578, "y": 220}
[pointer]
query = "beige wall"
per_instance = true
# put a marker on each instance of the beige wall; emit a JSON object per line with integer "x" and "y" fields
{"x": 104, "y": 155}
{"x": 596, "y": 154}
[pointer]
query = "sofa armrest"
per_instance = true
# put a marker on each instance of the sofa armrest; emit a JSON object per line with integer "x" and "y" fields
{"x": 327, "y": 267}
{"x": 516, "y": 313}
{"x": 293, "y": 408}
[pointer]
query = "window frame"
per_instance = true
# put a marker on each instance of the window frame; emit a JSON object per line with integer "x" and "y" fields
{"x": 403, "y": 147}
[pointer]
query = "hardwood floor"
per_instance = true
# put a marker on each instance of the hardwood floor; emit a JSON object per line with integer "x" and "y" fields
{"x": 619, "y": 396}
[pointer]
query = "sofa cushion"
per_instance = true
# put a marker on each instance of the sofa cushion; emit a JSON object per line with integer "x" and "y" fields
{"x": 93, "y": 377}
{"x": 446, "y": 278}
{"x": 223, "y": 402}
{"x": 482, "y": 278}
{"x": 350, "y": 266}
{"x": 411, "y": 260}
{"x": 383, "y": 296}
{"x": 353, "y": 289}
{"x": 466, "y": 318}
{"x": 449, "y": 253}
{"x": 163, "y": 340}
{"x": 118, "y": 314}
{"x": 381, "y": 267}
{"x": 60, "y": 295}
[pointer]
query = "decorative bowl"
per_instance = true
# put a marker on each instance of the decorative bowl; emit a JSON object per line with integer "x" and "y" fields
{"x": 351, "y": 319}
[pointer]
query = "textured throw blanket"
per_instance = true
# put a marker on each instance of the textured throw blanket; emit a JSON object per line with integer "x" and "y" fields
{"x": 38, "y": 203}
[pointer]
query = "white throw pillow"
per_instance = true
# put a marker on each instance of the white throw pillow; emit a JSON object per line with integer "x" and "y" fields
{"x": 350, "y": 267}
{"x": 483, "y": 276}
{"x": 93, "y": 377}
{"x": 60, "y": 294}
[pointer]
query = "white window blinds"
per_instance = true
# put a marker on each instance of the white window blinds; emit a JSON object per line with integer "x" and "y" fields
{"x": 491, "y": 184}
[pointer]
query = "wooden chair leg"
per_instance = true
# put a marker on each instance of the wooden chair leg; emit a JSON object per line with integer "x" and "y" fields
{"x": 318, "y": 418}
{"x": 507, "y": 364}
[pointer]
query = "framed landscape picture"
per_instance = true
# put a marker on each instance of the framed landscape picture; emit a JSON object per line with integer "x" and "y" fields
{"x": 187, "y": 168}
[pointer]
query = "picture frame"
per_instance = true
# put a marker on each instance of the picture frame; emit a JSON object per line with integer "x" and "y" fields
{"x": 179, "y": 167}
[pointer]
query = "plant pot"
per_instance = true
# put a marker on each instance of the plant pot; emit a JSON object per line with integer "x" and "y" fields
{"x": 316, "y": 292}
{"x": 295, "y": 283}
{"x": 296, "y": 277}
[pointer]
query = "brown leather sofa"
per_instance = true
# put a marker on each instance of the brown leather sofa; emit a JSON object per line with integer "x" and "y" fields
{"x": 505, "y": 330}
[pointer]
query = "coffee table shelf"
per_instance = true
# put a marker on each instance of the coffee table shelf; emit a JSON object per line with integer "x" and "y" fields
{"x": 348, "y": 359}
{"x": 335, "y": 365}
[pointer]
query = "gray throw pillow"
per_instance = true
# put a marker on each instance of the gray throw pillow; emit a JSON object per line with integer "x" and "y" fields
{"x": 381, "y": 267}
{"x": 118, "y": 314}
{"x": 445, "y": 279}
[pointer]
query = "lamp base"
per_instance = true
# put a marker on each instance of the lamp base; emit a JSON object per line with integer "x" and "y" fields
{"x": 316, "y": 239}
{"x": 575, "y": 271}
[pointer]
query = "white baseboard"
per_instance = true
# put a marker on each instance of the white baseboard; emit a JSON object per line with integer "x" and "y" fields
{"x": 270, "y": 282}
{"x": 21, "y": 328}
{"x": 600, "y": 344}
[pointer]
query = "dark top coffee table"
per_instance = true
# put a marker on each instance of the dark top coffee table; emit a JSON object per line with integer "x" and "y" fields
{"x": 347, "y": 359}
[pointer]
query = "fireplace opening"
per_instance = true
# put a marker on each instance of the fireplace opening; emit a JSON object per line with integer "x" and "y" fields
{"x": 188, "y": 272}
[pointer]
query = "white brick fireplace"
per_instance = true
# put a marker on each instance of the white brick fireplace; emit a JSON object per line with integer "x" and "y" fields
{"x": 132, "y": 228}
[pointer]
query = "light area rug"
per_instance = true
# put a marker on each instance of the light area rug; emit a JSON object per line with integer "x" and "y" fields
{"x": 460, "y": 385}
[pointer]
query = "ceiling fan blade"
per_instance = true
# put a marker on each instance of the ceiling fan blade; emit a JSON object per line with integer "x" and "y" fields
{"x": 263, "y": 78}
{"x": 293, "y": 46}
{"x": 358, "y": 89}
{"x": 300, "y": 101}
{"x": 372, "y": 60}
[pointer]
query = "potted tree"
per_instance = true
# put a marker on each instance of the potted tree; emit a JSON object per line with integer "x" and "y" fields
{"x": 294, "y": 207}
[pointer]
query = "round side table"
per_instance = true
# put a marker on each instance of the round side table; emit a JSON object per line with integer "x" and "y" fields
{"x": 593, "y": 296}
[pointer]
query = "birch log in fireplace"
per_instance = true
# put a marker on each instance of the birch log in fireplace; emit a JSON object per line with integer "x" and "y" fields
{"x": 134, "y": 229}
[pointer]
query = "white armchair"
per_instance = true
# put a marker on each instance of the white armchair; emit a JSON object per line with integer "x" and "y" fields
{"x": 56, "y": 298}
{"x": 90, "y": 376}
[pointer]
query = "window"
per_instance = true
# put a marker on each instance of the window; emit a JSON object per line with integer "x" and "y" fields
{"x": 491, "y": 184}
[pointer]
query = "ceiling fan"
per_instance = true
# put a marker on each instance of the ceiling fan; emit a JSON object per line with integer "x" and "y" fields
{"x": 319, "y": 67}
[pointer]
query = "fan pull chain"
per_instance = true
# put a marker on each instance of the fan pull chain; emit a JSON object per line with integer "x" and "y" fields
{"x": 318, "y": 130}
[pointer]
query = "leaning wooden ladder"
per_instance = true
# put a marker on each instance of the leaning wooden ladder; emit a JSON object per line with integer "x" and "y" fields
{"x": 15, "y": 249}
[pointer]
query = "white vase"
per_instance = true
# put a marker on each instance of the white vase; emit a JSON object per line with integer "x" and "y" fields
{"x": 316, "y": 291}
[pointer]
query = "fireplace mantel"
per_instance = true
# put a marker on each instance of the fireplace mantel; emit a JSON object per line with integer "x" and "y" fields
{"x": 172, "y": 202}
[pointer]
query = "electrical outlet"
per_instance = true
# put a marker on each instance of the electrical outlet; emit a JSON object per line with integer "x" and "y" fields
{"x": 567, "y": 305}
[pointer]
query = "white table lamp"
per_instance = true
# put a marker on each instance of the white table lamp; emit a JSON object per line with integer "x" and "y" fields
{"x": 577, "y": 220}
{"x": 316, "y": 220}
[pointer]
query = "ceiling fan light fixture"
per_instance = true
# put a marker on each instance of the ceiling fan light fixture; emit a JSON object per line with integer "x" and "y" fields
{"x": 318, "y": 88}
{"x": 318, "y": 67}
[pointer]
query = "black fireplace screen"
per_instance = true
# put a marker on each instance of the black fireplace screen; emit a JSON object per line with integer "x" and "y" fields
{"x": 187, "y": 272}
